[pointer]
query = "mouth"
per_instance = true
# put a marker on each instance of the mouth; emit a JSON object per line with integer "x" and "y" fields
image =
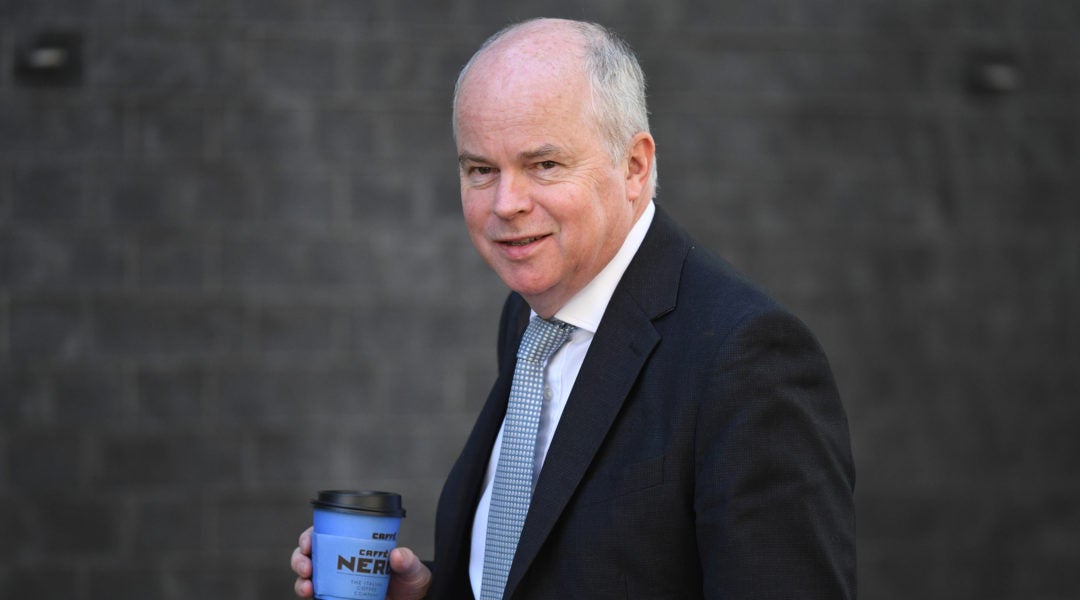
{"x": 521, "y": 248}
{"x": 522, "y": 241}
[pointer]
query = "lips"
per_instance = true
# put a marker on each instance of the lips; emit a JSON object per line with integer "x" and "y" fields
{"x": 523, "y": 241}
{"x": 520, "y": 248}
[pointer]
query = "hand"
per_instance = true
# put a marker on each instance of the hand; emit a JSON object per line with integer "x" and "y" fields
{"x": 301, "y": 565}
{"x": 409, "y": 579}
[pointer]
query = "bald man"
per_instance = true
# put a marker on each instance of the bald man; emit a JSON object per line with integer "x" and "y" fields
{"x": 691, "y": 442}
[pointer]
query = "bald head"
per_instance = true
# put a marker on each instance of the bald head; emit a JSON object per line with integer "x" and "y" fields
{"x": 555, "y": 43}
{"x": 543, "y": 53}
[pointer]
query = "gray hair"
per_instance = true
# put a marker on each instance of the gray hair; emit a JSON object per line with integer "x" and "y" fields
{"x": 616, "y": 82}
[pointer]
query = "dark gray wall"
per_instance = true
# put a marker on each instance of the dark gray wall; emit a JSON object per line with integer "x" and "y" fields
{"x": 232, "y": 270}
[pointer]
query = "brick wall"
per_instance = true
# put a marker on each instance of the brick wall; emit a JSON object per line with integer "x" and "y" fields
{"x": 233, "y": 271}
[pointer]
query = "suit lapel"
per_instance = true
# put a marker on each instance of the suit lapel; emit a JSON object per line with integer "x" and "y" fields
{"x": 619, "y": 350}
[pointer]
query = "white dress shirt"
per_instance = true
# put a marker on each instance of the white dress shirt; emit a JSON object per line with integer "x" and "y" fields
{"x": 584, "y": 312}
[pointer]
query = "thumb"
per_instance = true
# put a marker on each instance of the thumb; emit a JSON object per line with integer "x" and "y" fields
{"x": 411, "y": 577}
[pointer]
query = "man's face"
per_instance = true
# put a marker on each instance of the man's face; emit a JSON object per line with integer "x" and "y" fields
{"x": 543, "y": 202}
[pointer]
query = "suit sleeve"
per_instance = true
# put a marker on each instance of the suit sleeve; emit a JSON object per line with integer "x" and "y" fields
{"x": 774, "y": 472}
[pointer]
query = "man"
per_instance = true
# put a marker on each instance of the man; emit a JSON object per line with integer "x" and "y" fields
{"x": 691, "y": 442}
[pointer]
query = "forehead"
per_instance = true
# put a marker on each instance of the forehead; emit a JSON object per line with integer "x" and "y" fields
{"x": 519, "y": 77}
{"x": 540, "y": 67}
{"x": 519, "y": 102}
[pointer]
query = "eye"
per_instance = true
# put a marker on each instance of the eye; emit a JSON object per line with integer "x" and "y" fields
{"x": 479, "y": 175}
{"x": 547, "y": 165}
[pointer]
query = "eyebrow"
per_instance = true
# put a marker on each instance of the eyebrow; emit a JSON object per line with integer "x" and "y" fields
{"x": 539, "y": 152}
{"x": 466, "y": 157}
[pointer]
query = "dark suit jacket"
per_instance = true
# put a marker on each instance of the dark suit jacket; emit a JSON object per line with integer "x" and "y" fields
{"x": 703, "y": 451}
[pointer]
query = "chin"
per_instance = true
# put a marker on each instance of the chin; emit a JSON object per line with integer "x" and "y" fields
{"x": 529, "y": 288}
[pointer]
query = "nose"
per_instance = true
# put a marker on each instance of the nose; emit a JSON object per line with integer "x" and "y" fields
{"x": 511, "y": 195}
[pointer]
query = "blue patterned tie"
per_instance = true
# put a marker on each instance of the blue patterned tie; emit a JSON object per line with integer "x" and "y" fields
{"x": 513, "y": 486}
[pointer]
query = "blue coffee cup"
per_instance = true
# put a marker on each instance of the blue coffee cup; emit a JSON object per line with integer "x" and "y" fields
{"x": 350, "y": 549}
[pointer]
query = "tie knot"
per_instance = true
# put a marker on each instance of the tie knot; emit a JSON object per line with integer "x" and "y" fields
{"x": 542, "y": 338}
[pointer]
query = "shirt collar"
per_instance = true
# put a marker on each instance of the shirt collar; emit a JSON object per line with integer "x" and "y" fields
{"x": 587, "y": 307}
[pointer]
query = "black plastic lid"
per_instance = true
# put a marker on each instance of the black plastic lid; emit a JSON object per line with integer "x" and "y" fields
{"x": 386, "y": 504}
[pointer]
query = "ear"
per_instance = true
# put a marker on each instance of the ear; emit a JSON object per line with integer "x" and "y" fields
{"x": 639, "y": 162}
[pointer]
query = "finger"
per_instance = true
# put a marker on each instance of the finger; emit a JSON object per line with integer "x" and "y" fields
{"x": 301, "y": 564}
{"x": 305, "y": 541}
{"x": 404, "y": 563}
{"x": 304, "y": 588}
{"x": 410, "y": 574}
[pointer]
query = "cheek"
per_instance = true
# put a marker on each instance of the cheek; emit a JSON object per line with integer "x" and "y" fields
{"x": 472, "y": 210}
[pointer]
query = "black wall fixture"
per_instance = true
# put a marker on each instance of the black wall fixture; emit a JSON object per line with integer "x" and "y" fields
{"x": 993, "y": 73}
{"x": 52, "y": 58}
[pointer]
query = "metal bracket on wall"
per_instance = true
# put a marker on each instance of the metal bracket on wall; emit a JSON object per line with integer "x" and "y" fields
{"x": 993, "y": 73}
{"x": 52, "y": 58}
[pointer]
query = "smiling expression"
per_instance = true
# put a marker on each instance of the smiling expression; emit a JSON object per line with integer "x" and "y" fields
{"x": 545, "y": 205}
